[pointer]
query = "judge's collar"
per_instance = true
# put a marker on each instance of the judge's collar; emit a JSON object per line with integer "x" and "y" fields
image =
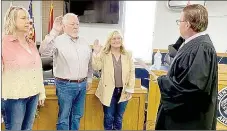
{"x": 195, "y": 36}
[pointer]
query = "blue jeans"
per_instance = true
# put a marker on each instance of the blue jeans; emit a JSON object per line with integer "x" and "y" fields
{"x": 20, "y": 113}
{"x": 3, "y": 109}
{"x": 71, "y": 100}
{"x": 113, "y": 115}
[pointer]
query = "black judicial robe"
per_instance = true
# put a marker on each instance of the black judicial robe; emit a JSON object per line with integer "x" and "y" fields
{"x": 173, "y": 51}
{"x": 189, "y": 90}
{"x": 175, "y": 47}
{"x": 178, "y": 43}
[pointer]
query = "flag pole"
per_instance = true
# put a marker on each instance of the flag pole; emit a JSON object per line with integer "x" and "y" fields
{"x": 11, "y": 3}
{"x": 51, "y": 13}
{"x": 30, "y": 10}
{"x": 33, "y": 16}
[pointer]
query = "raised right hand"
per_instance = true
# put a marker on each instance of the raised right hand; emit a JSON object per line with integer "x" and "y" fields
{"x": 97, "y": 47}
{"x": 58, "y": 26}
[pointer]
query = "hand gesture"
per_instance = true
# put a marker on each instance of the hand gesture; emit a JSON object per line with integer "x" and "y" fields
{"x": 58, "y": 24}
{"x": 128, "y": 95}
{"x": 88, "y": 87}
{"x": 97, "y": 47}
{"x": 41, "y": 102}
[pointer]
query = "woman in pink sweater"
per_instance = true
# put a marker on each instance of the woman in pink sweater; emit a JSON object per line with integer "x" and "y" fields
{"x": 22, "y": 78}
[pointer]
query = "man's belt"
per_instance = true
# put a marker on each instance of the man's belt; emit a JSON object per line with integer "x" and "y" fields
{"x": 68, "y": 80}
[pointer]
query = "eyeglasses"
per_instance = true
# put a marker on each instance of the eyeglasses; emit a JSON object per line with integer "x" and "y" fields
{"x": 179, "y": 21}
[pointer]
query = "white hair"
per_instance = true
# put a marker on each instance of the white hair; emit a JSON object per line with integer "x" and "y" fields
{"x": 66, "y": 16}
{"x": 10, "y": 19}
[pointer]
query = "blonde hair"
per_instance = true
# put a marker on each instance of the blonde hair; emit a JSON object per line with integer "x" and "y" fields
{"x": 197, "y": 16}
{"x": 10, "y": 19}
{"x": 108, "y": 43}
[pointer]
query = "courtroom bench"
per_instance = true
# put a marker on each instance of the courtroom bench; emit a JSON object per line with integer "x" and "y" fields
{"x": 93, "y": 112}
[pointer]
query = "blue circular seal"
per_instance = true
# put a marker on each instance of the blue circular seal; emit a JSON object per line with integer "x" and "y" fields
{"x": 222, "y": 106}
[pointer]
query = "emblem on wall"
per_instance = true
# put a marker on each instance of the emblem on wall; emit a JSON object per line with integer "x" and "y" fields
{"x": 222, "y": 106}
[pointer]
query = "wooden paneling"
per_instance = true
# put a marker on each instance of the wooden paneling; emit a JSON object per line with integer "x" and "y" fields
{"x": 93, "y": 115}
{"x": 48, "y": 115}
{"x": 222, "y": 74}
{"x": 153, "y": 101}
{"x": 94, "y": 118}
{"x": 222, "y": 54}
{"x": 132, "y": 112}
{"x": 58, "y": 10}
{"x": 161, "y": 50}
{"x": 35, "y": 125}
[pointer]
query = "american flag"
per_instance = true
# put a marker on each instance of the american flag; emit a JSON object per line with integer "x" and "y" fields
{"x": 30, "y": 11}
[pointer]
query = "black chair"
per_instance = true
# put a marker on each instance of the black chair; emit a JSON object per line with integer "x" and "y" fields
{"x": 47, "y": 64}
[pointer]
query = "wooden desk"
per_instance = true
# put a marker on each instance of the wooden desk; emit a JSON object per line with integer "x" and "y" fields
{"x": 93, "y": 116}
{"x": 153, "y": 101}
{"x": 154, "y": 97}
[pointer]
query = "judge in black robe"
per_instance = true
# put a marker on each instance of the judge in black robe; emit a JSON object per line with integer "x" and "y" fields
{"x": 189, "y": 90}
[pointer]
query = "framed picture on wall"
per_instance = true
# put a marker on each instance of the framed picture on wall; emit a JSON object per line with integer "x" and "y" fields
{"x": 179, "y": 5}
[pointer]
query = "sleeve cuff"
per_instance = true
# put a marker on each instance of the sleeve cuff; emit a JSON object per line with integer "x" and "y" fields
{"x": 42, "y": 96}
{"x": 54, "y": 33}
{"x": 89, "y": 80}
{"x": 96, "y": 55}
{"x": 129, "y": 90}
